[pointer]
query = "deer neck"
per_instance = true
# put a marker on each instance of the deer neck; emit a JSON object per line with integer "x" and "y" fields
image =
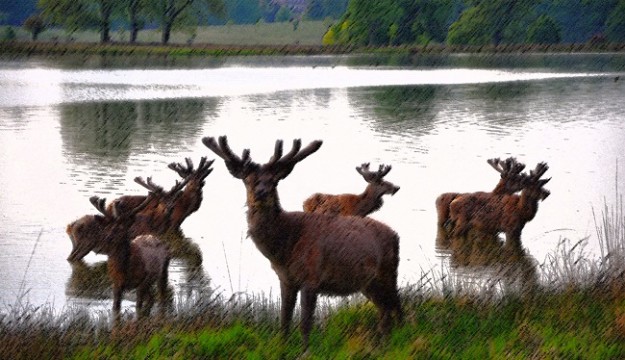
{"x": 369, "y": 201}
{"x": 268, "y": 226}
{"x": 119, "y": 259}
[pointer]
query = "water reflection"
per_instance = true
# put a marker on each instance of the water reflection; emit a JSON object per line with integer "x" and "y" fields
{"x": 101, "y": 140}
{"x": 486, "y": 256}
{"x": 187, "y": 275}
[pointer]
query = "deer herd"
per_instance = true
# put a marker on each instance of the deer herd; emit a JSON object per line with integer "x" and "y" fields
{"x": 330, "y": 248}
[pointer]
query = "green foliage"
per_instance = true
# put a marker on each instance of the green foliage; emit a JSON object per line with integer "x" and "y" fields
{"x": 470, "y": 29}
{"x": 72, "y": 15}
{"x": 615, "y": 24}
{"x": 501, "y": 21}
{"x": 544, "y": 30}
{"x": 7, "y": 34}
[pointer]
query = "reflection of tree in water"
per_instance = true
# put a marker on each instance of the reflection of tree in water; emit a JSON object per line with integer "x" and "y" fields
{"x": 503, "y": 105}
{"x": 99, "y": 138}
{"x": 485, "y": 255}
{"x": 399, "y": 109}
{"x": 91, "y": 281}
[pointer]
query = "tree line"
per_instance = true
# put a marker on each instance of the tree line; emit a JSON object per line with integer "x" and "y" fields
{"x": 356, "y": 22}
{"x": 167, "y": 15}
{"x": 478, "y": 22}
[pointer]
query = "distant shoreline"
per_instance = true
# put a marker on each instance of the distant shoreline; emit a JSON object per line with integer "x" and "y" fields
{"x": 24, "y": 48}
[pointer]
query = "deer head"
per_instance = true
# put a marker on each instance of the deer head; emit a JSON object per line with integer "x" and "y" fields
{"x": 512, "y": 180}
{"x": 534, "y": 183}
{"x": 376, "y": 179}
{"x": 261, "y": 180}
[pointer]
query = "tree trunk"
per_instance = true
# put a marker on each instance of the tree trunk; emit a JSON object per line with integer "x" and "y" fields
{"x": 134, "y": 20}
{"x": 166, "y": 32}
{"x": 105, "y": 21}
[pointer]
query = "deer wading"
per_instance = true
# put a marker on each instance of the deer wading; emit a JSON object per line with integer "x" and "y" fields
{"x": 133, "y": 262}
{"x": 314, "y": 253}
{"x": 350, "y": 204}
{"x": 497, "y": 213}
{"x": 510, "y": 182}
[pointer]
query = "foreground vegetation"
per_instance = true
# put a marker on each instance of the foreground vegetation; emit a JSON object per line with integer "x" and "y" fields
{"x": 569, "y": 323}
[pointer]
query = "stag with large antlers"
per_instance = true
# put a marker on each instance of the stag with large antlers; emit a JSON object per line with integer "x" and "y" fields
{"x": 506, "y": 213}
{"x": 351, "y": 204}
{"x": 134, "y": 262}
{"x": 153, "y": 218}
{"x": 191, "y": 197}
{"x": 511, "y": 181}
{"x": 314, "y": 253}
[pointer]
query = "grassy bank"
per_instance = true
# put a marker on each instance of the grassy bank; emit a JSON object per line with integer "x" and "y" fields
{"x": 567, "y": 324}
{"x": 257, "y": 39}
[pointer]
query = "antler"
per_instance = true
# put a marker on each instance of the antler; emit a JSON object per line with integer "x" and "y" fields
{"x": 283, "y": 165}
{"x": 540, "y": 170}
{"x": 99, "y": 204}
{"x": 156, "y": 189}
{"x": 152, "y": 187}
{"x": 373, "y": 176}
{"x": 239, "y": 167}
{"x": 507, "y": 167}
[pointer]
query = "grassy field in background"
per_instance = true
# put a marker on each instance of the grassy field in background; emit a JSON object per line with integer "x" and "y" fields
{"x": 306, "y": 33}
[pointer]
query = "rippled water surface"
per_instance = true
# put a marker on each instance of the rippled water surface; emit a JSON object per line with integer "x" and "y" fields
{"x": 78, "y": 127}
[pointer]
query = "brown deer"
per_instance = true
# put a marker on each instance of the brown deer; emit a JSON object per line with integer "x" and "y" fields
{"x": 314, "y": 253}
{"x": 134, "y": 262}
{"x": 191, "y": 198}
{"x": 506, "y": 213}
{"x": 86, "y": 232}
{"x": 350, "y": 204}
{"x": 510, "y": 182}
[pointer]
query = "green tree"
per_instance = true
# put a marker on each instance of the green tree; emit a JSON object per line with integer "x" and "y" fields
{"x": 615, "y": 24}
{"x": 501, "y": 20}
{"x": 172, "y": 13}
{"x": 371, "y": 21}
{"x": 544, "y": 30}
{"x": 35, "y": 24}
{"x": 470, "y": 29}
{"x": 7, "y": 34}
{"x": 72, "y": 15}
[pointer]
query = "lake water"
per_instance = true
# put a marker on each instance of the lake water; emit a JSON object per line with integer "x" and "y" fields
{"x": 84, "y": 126}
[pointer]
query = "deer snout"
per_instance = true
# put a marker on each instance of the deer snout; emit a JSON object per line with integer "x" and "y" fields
{"x": 395, "y": 190}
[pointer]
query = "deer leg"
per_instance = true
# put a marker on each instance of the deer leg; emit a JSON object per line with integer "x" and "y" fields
{"x": 163, "y": 292}
{"x": 308, "y": 302}
{"x": 288, "y": 295}
{"x": 117, "y": 300}
{"x": 387, "y": 302}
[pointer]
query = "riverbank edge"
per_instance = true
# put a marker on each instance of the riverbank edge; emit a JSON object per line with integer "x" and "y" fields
{"x": 20, "y": 48}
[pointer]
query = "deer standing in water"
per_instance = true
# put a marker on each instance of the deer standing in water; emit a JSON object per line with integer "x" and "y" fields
{"x": 510, "y": 182}
{"x": 357, "y": 205}
{"x": 191, "y": 197}
{"x": 314, "y": 253}
{"x": 134, "y": 262}
{"x": 497, "y": 213}
{"x": 86, "y": 233}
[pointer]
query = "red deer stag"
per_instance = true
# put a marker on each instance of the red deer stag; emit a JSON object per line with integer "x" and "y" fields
{"x": 510, "y": 182}
{"x": 134, "y": 262}
{"x": 350, "y": 204}
{"x": 506, "y": 213}
{"x": 86, "y": 232}
{"x": 314, "y": 253}
{"x": 191, "y": 198}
